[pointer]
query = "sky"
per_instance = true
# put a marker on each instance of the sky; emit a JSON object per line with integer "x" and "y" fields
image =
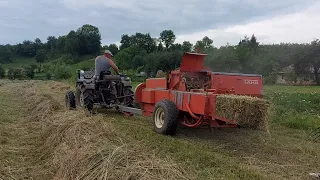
{"x": 224, "y": 21}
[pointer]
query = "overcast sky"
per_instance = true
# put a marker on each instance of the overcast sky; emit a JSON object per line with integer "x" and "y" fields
{"x": 224, "y": 21}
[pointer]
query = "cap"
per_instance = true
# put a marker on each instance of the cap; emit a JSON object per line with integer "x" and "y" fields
{"x": 108, "y": 52}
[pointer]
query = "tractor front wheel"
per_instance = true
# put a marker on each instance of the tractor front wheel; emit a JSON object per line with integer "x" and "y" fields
{"x": 86, "y": 99}
{"x": 165, "y": 117}
{"x": 70, "y": 100}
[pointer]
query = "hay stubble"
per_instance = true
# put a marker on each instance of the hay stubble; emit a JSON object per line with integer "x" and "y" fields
{"x": 61, "y": 144}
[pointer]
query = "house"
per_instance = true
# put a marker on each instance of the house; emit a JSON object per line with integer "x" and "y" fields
{"x": 288, "y": 76}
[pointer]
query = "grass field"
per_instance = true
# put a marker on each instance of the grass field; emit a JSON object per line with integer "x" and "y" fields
{"x": 68, "y": 142}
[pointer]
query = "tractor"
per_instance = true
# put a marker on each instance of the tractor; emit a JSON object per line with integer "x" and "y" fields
{"x": 100, "y": 90}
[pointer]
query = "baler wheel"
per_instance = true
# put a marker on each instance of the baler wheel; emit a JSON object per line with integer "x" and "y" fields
{"x": 70, "y": 100}
{"x": 165, "y": 117}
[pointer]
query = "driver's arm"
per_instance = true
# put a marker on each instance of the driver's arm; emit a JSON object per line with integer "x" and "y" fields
{"x": 114, "y": 67}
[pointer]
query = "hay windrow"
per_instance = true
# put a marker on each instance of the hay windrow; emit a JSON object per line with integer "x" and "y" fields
{"x": 250, "y": 112}
{"x": 69, "y": 145}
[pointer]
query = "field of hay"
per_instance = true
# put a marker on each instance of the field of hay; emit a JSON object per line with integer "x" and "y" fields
{"x": 40, "y": 139}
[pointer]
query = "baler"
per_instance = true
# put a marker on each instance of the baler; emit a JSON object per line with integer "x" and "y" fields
{"x": 188, "y": 95}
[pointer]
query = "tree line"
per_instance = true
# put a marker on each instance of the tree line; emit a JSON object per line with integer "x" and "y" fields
{"x": 142, "y": 52}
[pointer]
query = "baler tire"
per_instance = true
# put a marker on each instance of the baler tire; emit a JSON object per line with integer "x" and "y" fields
{"x": 171, "y": 113}
{"x": 70, "y": 100}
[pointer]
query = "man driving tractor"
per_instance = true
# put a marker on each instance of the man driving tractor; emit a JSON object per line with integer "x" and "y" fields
{"x": 104, "y": 62}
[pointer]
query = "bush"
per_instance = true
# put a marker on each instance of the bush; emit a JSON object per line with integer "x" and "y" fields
{"x": 271, "y": 79}
{"x": 61, "y": 70}
{"x": 15, "y": 73}
{"x": 69, "y": 59}
{"x": 2, "y": 72}
{"x": 29, "y": 71}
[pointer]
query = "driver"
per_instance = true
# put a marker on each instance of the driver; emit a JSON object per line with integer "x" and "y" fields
{"x": 104, "y": 62}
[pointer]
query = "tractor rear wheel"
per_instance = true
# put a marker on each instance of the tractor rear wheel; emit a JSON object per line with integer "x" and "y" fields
{"x": 165, "y": 117}
{"x": 70, "y": 100}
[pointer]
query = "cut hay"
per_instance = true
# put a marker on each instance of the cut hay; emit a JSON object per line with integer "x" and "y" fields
{"x": 59, "y": 86}
{"x": 69, "y": 145}
{"x": 246, "y": 111}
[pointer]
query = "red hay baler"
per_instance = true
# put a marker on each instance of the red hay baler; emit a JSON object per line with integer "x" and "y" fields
{"x": 188, "y": 95}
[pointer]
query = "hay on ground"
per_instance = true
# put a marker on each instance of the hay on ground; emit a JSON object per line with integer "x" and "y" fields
{"x": 246, "y": 111}
{"x": 70, "y": 145}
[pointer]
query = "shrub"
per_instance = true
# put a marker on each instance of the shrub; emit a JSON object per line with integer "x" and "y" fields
{"x": 271, "y": 79}
{"x": 15, "y": 73}
{"x": 61, "y": 70}
{"x": 29, "y": 71}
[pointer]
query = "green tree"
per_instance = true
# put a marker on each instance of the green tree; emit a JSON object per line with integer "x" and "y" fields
{"x": 186, "y": 46}
{"x": 6, "y": 54}
{"x": 72, "y": 44}
{"x": 40, "y": 57}
{"x": 205, "y": 44}
{"x": 126, "y": 41}
{"x": 113, "y": 48}
{"x": 160, "y": 47}
{"x": 308, "y": 60}
{"x": 90, "y": 39}
{"x": 167, "y": 37}
{"x": 2, "y": 72}
{"x": 37, "y": 43}
{"x": 30, "y": 71}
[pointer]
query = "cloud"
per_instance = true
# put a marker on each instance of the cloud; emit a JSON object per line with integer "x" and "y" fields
{"x": 299, "y": 27}
{"x": 187, "y": 18}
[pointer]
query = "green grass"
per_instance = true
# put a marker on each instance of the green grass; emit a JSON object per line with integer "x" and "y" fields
{"x": 295, "y": 106}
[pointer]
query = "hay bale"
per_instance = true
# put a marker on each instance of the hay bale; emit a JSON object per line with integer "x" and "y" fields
{"x": 246, "y": 111}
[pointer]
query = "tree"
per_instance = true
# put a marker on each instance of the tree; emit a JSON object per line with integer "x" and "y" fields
{"x": 51, "y": 43}
{"x": 30, "y": 71}
{"x": 90, "y": 39}
{"x": 167, "y": 37}
{"x": 40, "y": 57}
{"x": 308, "y": 60}
{"x": 2, "y": 72}
{"x": 126, "y": 41}
{"x": 6, "y": 54}
{"x": 160, "y": 47}
{"x": 37, "y": 43}
{"x": 113, "y": 48}
{"x": 72, "y": 44}
{"x": 253, "y": 43}
{"x": 186, "y": 46}
{"x": 205, "y": 44}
